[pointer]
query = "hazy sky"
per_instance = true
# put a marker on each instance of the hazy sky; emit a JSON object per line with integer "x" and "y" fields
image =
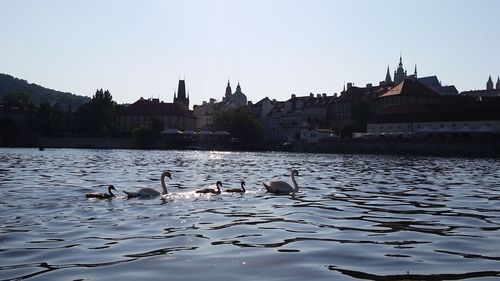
{"x": 274, "y": 48}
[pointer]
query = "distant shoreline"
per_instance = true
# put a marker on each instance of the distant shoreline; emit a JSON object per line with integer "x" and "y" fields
{"x": 489, "y": 147}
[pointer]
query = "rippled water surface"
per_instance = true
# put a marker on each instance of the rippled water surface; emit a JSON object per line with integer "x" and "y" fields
{"x": 356, "y": 217}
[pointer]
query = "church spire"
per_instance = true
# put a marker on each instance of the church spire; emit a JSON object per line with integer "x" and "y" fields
{"x": 489, "y": 84}
{"x": 388, "y": 78}
{"x": 229, "y": 91}
{"x": 415, "y": 73}
{"x": 498, "y": 83}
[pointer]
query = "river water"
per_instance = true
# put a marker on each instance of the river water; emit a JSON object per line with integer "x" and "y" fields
{"x": 356, "y": 217}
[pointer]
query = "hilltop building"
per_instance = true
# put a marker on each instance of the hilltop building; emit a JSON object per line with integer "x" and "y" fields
{"x": 488, "y": 92}
{"x": 431, "y": 82}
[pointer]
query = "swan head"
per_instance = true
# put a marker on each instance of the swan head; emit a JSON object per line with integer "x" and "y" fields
{"x": 242, "y": 183}
{"x": 295, "y": 172}
{"x": 166, "y": 174}
{"x": 111, "y": 187}
{"x": 218, "y": 183}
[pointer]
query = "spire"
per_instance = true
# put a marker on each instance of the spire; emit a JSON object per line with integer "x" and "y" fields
{"x": 238, "y": 88}
{"x": 388, "y": 78}
{"x": 181, "y": 92}
{"x": 228, "y": 90}
{"x": 400, "y": 60}
{"x": 489, "y": 84}
{"x": 498, "y": 83}
{"x": 415, "y": 73}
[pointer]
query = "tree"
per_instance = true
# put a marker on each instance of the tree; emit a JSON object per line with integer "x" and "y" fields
{"x": 241, "y": 124}
{"x": 95, "y": 118}
{"x": 143, "y": 136}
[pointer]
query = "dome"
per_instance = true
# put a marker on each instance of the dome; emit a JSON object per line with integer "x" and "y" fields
{"x": 238, "y": 97}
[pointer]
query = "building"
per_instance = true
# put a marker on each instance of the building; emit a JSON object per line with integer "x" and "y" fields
{"x": 488, "y": 92}
{"x": 431, "y": 82}
{"x": 406, "y": 92}
{"x": 145, "y": 112}
{"x": 205, "y": 114}
{"x": 181, "y": 98}
{"x": 285, "y": 120}
{"x": 206, "y": 111}
{"x": 314, "y": 135}
{"x": 453, "y": 116}
{"x": 400, "y": 73}
{"x": 350, "y": 111}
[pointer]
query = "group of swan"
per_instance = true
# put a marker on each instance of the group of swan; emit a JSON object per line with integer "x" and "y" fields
{"x": 277, "y": 187}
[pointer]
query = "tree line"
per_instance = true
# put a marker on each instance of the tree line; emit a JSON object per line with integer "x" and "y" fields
{"x": 22, "y": 122}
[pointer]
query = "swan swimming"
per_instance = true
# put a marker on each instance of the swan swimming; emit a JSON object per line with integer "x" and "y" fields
{"x": 239, "y": 190}
{"x": 281, "y": 187}
{"x": 150, "y": 192}
{"x": 101, "y": 195}
{"x": 211, "y": 190}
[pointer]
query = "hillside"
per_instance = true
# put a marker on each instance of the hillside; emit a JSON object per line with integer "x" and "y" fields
{"x": 39, "y": 94}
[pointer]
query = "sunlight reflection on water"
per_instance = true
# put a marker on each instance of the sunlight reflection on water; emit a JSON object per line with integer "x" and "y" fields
{"x": 356, "y": 217}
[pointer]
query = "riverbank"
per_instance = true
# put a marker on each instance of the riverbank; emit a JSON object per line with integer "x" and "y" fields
{"x": 481, "y": 147}
{"x": 489, "y": 147}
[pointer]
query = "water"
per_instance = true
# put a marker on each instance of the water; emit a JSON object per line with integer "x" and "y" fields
{"x": 356, "y": 218}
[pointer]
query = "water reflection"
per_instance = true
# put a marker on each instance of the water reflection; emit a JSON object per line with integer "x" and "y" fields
{"x": 357, "y": 217}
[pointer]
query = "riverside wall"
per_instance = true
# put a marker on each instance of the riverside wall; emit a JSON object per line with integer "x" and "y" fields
{"x": 441, "y": 147}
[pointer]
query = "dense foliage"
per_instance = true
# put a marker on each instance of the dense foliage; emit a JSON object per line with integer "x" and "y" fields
{"x": 96, "y": 117}
{"x": 38, "y": 94}
{"x": 21, "y": 122}
{"x": 241, "y": 124}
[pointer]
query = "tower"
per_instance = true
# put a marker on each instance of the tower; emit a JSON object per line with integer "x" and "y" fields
{"x": 400, "y": 73}
{"x": 498, "y": 83}
{"x": 489, "y": 84}
{"x": 415, "y": 73}
{"x": 388, "y": 79}
{"x": 227, "y": 95}
{"x": 181, "y": 98}
{"x": 238, "y": 97}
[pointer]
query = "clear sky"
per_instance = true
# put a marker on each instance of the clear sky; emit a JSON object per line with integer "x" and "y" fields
{"x": 275, "y": 48}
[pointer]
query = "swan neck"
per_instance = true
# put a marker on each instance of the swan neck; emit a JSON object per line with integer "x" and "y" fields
{"x": 163, "y": 186}
{"x": 110, "y": 192}
{"x": 296, "y": 187}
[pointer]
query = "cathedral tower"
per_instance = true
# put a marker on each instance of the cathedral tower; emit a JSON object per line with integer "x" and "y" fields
{"x": 400, "y": 73}
{"x": 388, "y": 79}
{"x": 489, "y": 84}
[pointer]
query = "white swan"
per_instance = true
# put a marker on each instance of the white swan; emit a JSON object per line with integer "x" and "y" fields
{"x": 100, "y": 195}
{"x": 239, "y": 190}
{"x": 281, "y": 187}
{"x": 211, "y": 190}
{"x": 150, "y": 192}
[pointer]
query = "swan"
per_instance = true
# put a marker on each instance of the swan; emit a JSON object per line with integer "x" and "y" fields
{"x": 281, "y": 187}
{"x": 239, "y": 190}
{"x": 101, "y": 195}
{"x": 150, "y": 192}
{"x": 211, "y": 190}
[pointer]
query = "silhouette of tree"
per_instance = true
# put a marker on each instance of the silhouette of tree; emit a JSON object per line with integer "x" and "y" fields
{"x": 95, "y": 118}
{"x": 241, "y": 124}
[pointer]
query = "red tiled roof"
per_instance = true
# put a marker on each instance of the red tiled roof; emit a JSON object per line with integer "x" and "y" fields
{"x": 409, "y": 87}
